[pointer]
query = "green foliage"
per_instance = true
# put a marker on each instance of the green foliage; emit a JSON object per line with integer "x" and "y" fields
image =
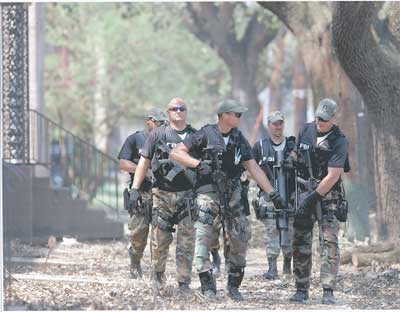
{"x": 125, "y": 58}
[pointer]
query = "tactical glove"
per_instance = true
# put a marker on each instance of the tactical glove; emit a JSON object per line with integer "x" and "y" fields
{"x": 203, "y": 169}
{"x": 134, "y": 199}
{"x": 277, "y": 200}
{"x": 308, "y": 204}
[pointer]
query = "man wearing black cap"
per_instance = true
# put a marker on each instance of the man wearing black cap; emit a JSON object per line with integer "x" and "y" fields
{"x": 221, "y": 153}
{"x": 322, "y": 158}
{"x": 128, "y": 160}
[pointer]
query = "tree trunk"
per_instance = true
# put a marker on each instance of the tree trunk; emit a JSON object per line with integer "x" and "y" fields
{"x": 374, "y": 67}
{"x": 275, "y": 94}
{"x": 244, "y": 89}
{"x": 299, "y": 93}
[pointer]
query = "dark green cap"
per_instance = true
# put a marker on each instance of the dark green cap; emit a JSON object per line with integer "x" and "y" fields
{"x": 326, "y": 109}
{"x": 157, "y": 114}
{"x": 231, "y": 106}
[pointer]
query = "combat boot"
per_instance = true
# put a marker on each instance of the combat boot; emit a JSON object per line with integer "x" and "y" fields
{"x": 183, "y": 287}
{"x": 216, "y": 263}
{"x": 208, "y": 287}
{"x": 159, "y": 278}
{"x": 235, "y": 277}
{"x": 135, "y": 268}
{"x": 300, "y": 296}
{"x": 327, "y": 296}
{"x": 287, "y": 265}
{"x": 272, "y": 272}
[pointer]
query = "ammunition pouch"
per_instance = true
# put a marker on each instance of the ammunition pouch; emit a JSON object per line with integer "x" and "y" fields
{"x": 206, "y": 215}
{"x": 185, "y": 207}
{"x": 342, "y": 209}
{"x": 334, "y": 205}
{"x": 165, "y": 221}
{"x": 244, "y": 198}
{"x": 256, "y": 208}
{"x": 127, "y": 204}
{"x": 147, "y": 207}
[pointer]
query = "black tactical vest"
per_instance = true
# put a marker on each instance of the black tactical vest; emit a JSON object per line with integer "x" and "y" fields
{"x": 267, "y": 160}
{"x": 162, "y": 166}
{"x": 319, "y": 155}
{"x": 230, "y": 163}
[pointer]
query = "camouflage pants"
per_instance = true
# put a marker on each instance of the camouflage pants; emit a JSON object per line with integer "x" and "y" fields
{"x": 272, "y": 239}
{"x": 237, "y": 232}
{"x": 139, "y": 232}
{"x": 330, "y": 257}
{"x": 272, "y": 243}
{"x": 167, "y": 203}
{"x": 215, "y": 245}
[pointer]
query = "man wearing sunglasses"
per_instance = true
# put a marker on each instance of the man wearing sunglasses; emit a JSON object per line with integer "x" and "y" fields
{"x": 266, "y": 152}
{"x": 172, "y": 196}
{"x": 321, "y": 153}
{"x": 128, "y": 160}
{"x": 222, "y": 154}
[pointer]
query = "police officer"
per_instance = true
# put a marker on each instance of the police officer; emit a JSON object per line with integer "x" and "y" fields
{"x": 128, "y": 160}
{"x": 322, "y": 155}
{"x": 222, "y": 154}
{"x": 264, "y": 153}
{"x": 172, "y": 195}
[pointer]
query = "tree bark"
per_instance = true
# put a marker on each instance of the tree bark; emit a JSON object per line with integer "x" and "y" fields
{"x": 214, "y": 25}
{"x": 374, "y": 68}
{"x": 300, "y": 81}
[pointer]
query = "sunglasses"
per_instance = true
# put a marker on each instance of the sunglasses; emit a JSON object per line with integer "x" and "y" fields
{"x": 177, "y": 109}
{"x": 150, "y": 119}
{"x": 322, "y": 119}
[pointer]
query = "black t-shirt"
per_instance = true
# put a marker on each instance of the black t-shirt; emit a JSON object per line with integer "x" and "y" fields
{"x": 131, "y": 151}
{"x": 132, "y": 146}
{"x": 157, "y": 147}
{"x": 235, "y": 151}
{"x": 330, "y": 152}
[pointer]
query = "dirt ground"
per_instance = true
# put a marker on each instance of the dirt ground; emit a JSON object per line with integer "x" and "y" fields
{"x": 95, "y": 276}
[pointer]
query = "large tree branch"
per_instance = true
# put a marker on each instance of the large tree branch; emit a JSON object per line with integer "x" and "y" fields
{"x": 213, "y": 27}
{"x": 292, "y": 14}
{"x": 373, "y": 67}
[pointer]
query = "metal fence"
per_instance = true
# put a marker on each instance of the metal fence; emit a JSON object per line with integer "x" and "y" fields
{"x": 73, "y": 162}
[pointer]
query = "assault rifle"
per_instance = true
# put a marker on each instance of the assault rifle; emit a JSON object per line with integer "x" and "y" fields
{"x": 310, "y": 185}
{"x": 176, "y": 169}
{"x": 281, "y": 215}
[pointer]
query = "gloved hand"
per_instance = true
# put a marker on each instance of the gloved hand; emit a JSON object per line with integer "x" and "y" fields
{"x": 277, "y": 200}
{"x": 308, "y": 204}
{"x": 134, "y": 199}
{"x": 203, "y": 169}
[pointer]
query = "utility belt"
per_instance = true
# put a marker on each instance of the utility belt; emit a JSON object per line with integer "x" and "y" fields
{"x": 166, "y": 220}
{"x": 206, "y": 215}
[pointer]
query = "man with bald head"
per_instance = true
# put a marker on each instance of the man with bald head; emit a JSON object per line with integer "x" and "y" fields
{"x": 172, "y": 195}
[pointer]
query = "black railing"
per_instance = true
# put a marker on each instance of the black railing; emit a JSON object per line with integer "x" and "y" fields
{"x": 74, "y": 163}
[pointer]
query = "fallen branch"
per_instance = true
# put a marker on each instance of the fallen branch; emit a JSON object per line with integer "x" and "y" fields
{"x": 365, "y": 259}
